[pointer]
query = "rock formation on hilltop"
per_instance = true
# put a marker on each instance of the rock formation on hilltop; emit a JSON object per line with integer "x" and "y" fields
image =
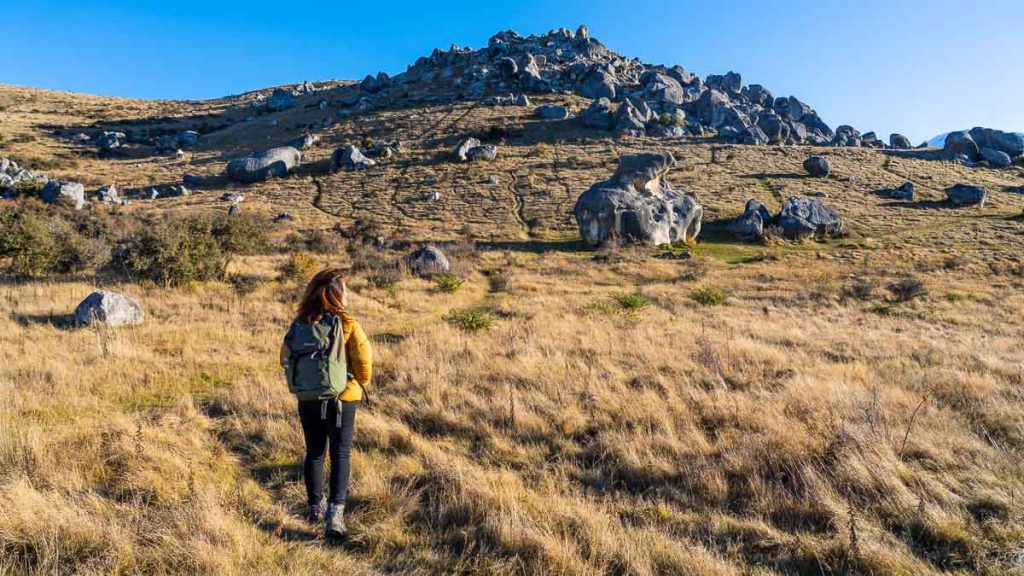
{"x": 643, "y": 99}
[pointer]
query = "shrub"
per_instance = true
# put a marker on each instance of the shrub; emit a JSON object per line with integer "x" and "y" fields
{"x": 300, "y": 267}
{"x": 906, "y": 289}
{"x": 861, "y": 288}
{"x": 632, "y": 302}
{"x": 448, "y": 283}
{"x": 695, "y": 268}
{"x": 245, "y": 283}
{"x": 41, "y": 240}
{"x": 469, "y": 320}
{"x": 240, "y": 233}
{"x": 178, "y": 251}
{"x": 709, "y": 296}
{"x": 497, "y": 281}
{"x": 321, "y": 241}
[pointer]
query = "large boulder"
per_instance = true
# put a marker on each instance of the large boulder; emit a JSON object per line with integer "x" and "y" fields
{"x": 427, "y": 260}
{"x": 967, "y": 195}
{"x": 1009, "y": 143}
{"x": 712, "y": 107}
{"x": 276, "y": 163}
{"x": 730, "y": 82}
{"x": 598, "y": 115}
{"x": 996, "y": 158}
{"x": 350, "y": 158}
{"x": 596, "y": 83}
{"x": 552, "y": 112}
{"x": 847, "y": 136}
{"x": 817, "y": 166}
{"x": 663, "y": 88}
{"x": 637, "y": 204}
{"x": 960, "y": 143}
{"x": 899, "y": 142}
{"x": 280, "y": 99}
{"x": 70, "y": 193}
{"x": 801, "y": 217}
{"x": 109, "y": 308}
{"x": 750, "y": 225}
{"x": 464, "y": 147}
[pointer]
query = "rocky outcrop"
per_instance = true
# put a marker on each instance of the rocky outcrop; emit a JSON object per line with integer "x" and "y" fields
{"x": 967, "y": 195}
{"x": 108, "y": 308}
{"x": 1008, "y": 143}
{"x": 899, "y": 142}
{"x": 273, "y": 163}
{"x": 638, "y": 204}
{"x": 960, "y": 144}
{"x": 750, "y": 225}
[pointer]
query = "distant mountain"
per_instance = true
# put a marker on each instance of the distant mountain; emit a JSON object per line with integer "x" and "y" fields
{"x": 940, "y": 140}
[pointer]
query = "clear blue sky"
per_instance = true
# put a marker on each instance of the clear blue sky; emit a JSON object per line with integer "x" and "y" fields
{"x": 914, "y": 66}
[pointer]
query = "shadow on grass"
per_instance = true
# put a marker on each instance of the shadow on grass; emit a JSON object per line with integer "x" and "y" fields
{"x": 59, "y": 321}
{"x": 921, "y": 204}
{"x": 537, "y": 246}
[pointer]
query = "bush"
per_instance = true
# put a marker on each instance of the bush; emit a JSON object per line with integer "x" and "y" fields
{"x": 469, "y": 320}
{"x": 448, "y": 283}
{"x": 40, "y": 240}
{"x": 300, "y": 267}
{"x": 240, "y": 233}
{"x": 907, "y": 289}
{"x": 245, "y": 284}
{"x": 178, "y": 251}
{"x": 861, "y": 288}
{"x": 633, "y": 302}
{"x": 709, "y": 296}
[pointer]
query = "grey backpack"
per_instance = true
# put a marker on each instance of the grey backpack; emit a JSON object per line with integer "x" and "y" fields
{"x": 316, "y": 368}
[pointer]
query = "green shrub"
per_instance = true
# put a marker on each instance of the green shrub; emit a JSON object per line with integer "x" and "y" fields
{"x": 906, "y": 289}
{"x": 39, "y": 240}
{"x": 178, "y": 251}
{"x": 709, "y": 296}
{"x": 469, "y": 320}
{"x": 448, "y": 283}
{"x": 632, "y": 302}
{"x": 241, "y": 233}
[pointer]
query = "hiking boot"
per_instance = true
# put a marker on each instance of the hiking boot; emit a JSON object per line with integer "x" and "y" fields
{"x": 316, "y": 512}
{"x": 335, "y": 521}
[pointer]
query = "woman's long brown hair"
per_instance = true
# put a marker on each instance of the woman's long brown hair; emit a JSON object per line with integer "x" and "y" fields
{"x": 323, "y": 296}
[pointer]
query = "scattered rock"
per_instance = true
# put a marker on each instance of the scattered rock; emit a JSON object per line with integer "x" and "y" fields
{"x": 637, "y": 204}
{"x": 427, "y": 260}
{"x": 110, "y": 195}
{"x": 464, "y": 147}
{"x": 960, "y": 144}
{"x": 598, "y": 115}
{"x": 71, "y": 193}
{"x": 305, "y": 141}
{"x": 276, "y": 163}
{"x": 750, "y": 225}
{"x": 899, "y": 142}
{"x": 818, "y": 166}
{"x": 906, "y": 191}
{"x": 967, "y": 195}
{"x": 350, "y": 158}
{"x": 485, "y": 152}
{"x": 552, "y": 113}
{"x": 996, "y": 158}
{"x": 801, "y": 217}
{"x": 109, "y": 308}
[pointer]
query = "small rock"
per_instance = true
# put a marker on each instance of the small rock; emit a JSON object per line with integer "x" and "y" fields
{"x": 549, "y": 113}
{"x": 817, "y": 166}
{"x": 486, "y": 152}
{"x": 71, "y": 193}
{"x": 967, "y": 195}
{"x": 427, "y": 260}
{"x": 350, "y": 158}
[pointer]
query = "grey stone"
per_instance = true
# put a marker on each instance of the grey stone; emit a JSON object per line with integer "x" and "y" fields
{"x": 305, "y": 141}
{"x": 818, "y": 166}
{"x": 996, "y": 158}
{"x": 350, "y": 158}
{"x": 597, "y": 83}
{"x": 464, "y": 147}
{"x": 906, "y": 191}
{"x": 109, "y": 308}
{"x": 750, "y": 225}
{"x": 960, "y": 143}
{"x": 71, "y": 193}
{"x": 637, "y": 204}
{"x": 550, "y": 112}
{"x": 801, "y": 217}
{"x": 110, "y": 195}
{"x": 598, "y": 115}
{"x": 276, "y": 163}
{"x": 899, "y": 142}
{"x": 967, "y": 195}
{"x": 1009, "y": 143}
{"x": 427, "y": 260}
{"x": 754, "y": 136}
{"x": 280, "y": 99}
{"x": 484, "y": 152}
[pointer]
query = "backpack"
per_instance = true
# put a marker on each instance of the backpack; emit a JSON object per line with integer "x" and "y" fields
{"x": 316, "y": 369}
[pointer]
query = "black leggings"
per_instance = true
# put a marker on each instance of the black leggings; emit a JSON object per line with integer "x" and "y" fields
{"x": 321, "y": 428}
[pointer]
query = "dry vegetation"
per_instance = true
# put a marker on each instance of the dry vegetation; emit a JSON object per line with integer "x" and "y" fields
{"x": 752, "y": 410}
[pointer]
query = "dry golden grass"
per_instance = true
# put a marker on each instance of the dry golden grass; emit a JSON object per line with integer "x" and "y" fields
{"x": 794, "y": 428}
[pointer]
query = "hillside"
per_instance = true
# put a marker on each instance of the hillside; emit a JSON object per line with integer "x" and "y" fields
{"x": 845, "y": 405}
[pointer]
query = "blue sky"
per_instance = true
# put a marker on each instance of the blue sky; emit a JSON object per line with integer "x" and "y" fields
{"x": 919, "y": 67}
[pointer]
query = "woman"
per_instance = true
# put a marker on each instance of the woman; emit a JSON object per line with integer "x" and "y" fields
{"x": 328, "y": 417}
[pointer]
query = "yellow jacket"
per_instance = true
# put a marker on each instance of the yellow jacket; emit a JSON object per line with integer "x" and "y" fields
{"x": 359, "y": 356}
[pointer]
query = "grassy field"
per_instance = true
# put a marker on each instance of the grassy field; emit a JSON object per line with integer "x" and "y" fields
{"x": 755, "y": 409}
